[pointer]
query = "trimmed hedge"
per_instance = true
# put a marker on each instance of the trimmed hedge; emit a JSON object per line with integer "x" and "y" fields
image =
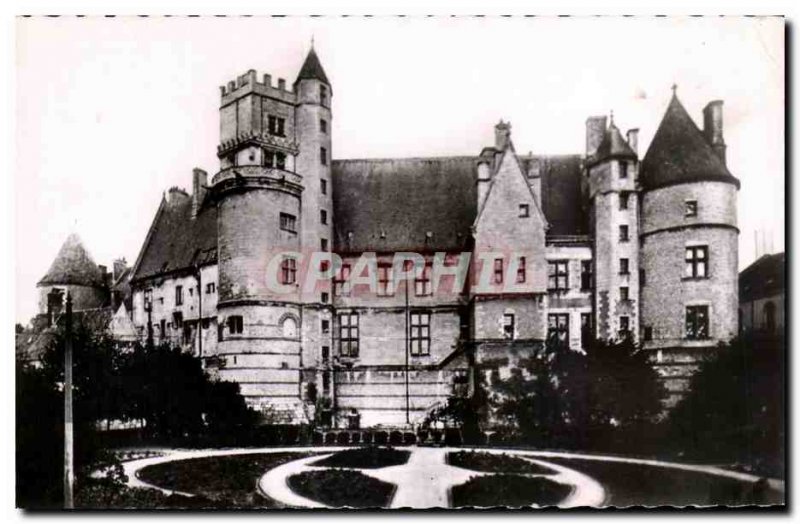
{"x": 365, "y": 458}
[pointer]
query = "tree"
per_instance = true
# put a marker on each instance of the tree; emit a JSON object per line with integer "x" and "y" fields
{"x": 734, "y": 409}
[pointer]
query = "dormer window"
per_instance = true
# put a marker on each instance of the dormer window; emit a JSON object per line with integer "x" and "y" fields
{"x": 691, "y": 208}
{"x": 524, "y": 210}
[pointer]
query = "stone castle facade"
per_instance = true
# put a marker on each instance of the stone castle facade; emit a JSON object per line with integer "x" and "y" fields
{"x": 597, "y": 244}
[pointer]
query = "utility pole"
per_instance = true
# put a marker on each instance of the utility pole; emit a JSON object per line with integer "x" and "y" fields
{"x": 68, "y": 429}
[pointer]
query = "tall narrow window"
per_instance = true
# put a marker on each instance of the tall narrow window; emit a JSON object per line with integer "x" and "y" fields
{"x": 323, "y": 156}
{"x": 623, "y": 200}
{"x": 557, "y": 275}
{"x": 623, "y": 266}
{"x": 624, "y": 327}
{"x": 178, "y": 295}
{"x": 422, "y": 281}
{"x": 696, "y": 262}
{"x": 623, "y": 293}
{"x": 697, "y": 322}
{"x": 623, "y": 233}
{"x": 280, "y": 160}
{"x": 323, "y": 244}
{"x": 508, "y": 326}
{"x": 323, "y": 187}
{"x": 623, "y": 170}
{"x": 586, "y": 329}
{"x": 420, "y": 333}
{"x": 288, "y": 271}
{"x": 288, "y": 222}
{"x": 586, "y": 275}
{"x": 323, "y": 95}
{"x": 341, "y": 286}
{"x": 323, "y": 125}
{"x": 348, "y": 334}
{"x": 326, "y": 327}
{"x": 642, "y": 280}
{"x": 558, "y": 328}
{"x": 498, "y": 271}
{"x": 323, "y": 216}
{"x": 384, "y": 280}
{"x": 521, "y": 271}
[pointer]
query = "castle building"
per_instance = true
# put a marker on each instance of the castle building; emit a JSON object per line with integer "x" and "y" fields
{"x": 431, "y": 269}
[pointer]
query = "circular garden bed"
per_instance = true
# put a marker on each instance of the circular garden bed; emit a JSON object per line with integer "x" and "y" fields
{"x": 342, "y": 488}
{"x": 365, "y": 458}
{"x": 495, "y": 463}
{"x": 513, "y": 491}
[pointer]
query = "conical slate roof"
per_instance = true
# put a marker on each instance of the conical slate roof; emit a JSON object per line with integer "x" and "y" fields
{"x": 312, "y": 69}
{"x": 680, "y": 153}
{"x": 613, "y": 146}
{"x": 73, "y": 265}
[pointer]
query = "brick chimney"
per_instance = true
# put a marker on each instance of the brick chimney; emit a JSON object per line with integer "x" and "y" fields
{"x": 502, "y": 135}
{"x": 712, "y": 127}
{"x": 595, "y": 131}
{"x": 199, "y": 189}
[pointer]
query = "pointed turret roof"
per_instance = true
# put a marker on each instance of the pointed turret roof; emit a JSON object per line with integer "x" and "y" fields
{"x": 312, "y": 69}
{"x": 73, "y": 265}
{"x": 613, "y": 146}
{"x": 680, "y": 153}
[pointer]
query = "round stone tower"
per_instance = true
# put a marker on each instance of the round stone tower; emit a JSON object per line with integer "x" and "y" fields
{"x": 73, "y": 271}
{"x": 689, "y": 244}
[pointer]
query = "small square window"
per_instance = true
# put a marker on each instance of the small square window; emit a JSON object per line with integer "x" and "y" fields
{"x": 623, "y": 233}
{"x": 691, "y": 208}
{"x": 623, "y": 266}
{"x": 524, "y": 210}
{"x": 508, "y": 326}
{"x": 288, "y": 222}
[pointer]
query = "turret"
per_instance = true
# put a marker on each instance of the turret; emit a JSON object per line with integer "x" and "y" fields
{"x": 689, "y": 239}
{"x": 612, "y": 170}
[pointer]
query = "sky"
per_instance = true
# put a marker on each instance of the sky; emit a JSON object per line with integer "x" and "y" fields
{"x": 111, "y": 112}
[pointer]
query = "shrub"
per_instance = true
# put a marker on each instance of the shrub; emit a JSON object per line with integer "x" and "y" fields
{"x": 509, "y": 490}
{"x": 368, "y": 458}
{"x": 496, "y": 463}
{"x": 337, "y": 488}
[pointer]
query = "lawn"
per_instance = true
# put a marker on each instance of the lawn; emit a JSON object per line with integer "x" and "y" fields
{"x": 365, "y": 458}
{"x": 495, "y": 463}
{"x": 228, "y": 480}
{"x": 638, "y": 485}
{"x": 339, "y": 487}
{"x": 513, "y": 491}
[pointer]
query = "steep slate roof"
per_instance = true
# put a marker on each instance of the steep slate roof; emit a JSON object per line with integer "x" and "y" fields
{"x": 763, "y": 278}
{"x": 175, "y": 241}
{"x": 391, "y": 204}
{"x": 680, "y": 153}
{"x": 73, "y": 265}
{"x": 562, "y": 200}
{"x": 312, "y": 69}
{"x": 613, "y": 146}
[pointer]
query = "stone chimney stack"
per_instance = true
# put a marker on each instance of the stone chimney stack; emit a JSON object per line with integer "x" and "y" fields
{"x": 120, "y": 265}
{"x": 484, "y": 177}
{"x": 712, "y": 127}
{"x": 502, "y": 135}
{"x": 595, "y": 131}
{"x": 199, "y": 189}
{"x": 633, "y": 139}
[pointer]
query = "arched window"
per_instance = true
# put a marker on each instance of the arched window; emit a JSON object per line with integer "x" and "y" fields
{"x": 769, "y": 316}
{"x": 289, "y": 327}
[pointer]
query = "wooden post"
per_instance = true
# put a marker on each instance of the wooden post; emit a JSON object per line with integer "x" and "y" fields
{"x": 68, "y": 429}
